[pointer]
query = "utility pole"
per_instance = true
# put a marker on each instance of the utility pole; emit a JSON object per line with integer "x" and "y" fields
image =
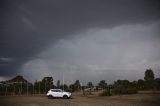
{"x": 63, "y": 82}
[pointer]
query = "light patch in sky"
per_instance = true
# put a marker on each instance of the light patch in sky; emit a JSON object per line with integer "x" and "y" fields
{"x": 3, "y": 78}
{"x": 23, "y": 9}
{"x": 6, "y": 59}
{"x": 28, "y": 23}
{"x": 123, "y": 52}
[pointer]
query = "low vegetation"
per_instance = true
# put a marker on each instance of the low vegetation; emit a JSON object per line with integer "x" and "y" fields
{"x": 20, "y": 86}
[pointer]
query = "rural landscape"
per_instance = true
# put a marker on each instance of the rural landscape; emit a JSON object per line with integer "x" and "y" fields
{"x": 144, "y": 92}
{"x": 79, "y": 52}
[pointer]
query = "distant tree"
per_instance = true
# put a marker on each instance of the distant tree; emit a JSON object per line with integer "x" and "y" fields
{"x": 141, "y": 84}
{"x": 157, "y": 83}
{"x": 47, "y": 83}
{"x": 149, "y": 79}
{"x": 124, "y": 87}
{"x": 149, "y": 75}
{"x": 77, "y": 85}
{"x": 102, "y": 84}
{"x": 48, "y": 80}
{"x": 64, "y": 87}
{"x": 18, "y": 85}
{"x": 125, "y": 83}
{"x": 58, "y": 84}
{"x": 44, "y": 85}
{"x": 72, "y": 88}
{"x": 118, "y": 87}
{"x": 37, "y": 87}
{"x": 133, "y": 84}
{"x": 90, "y": 85}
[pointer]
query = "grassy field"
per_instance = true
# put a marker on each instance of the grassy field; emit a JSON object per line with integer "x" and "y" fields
{"x": 141, "y": 99}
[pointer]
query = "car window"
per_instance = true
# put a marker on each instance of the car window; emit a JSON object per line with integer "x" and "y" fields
{"x": 56, "y": 90}
{"x": 53, "y": 90}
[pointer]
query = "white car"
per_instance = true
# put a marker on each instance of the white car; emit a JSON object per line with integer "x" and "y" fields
{"x": 58, "y": 93}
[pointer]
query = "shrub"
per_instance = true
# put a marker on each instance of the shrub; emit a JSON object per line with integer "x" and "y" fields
{"x": 131, "y": 90}
{"x": 105, "y": 93}
{"x": 128, "y": 90}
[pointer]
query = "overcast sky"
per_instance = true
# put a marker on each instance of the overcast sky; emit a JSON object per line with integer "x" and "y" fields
{"x": 86, "y": 40}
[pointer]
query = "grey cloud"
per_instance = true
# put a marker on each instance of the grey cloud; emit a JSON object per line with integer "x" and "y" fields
{"x": 28, "y": 23}
{"x": 4, "y": 59}
{"x": 29, "y": 27}
{"x": 23, "y": 9}
{"x": 123, "y": 52}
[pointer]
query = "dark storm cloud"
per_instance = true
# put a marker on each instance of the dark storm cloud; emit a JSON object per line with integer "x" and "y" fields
{"x": 29, "y": 26}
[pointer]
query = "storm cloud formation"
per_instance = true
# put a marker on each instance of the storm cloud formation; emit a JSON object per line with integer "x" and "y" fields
{"x": 86, "y": 40}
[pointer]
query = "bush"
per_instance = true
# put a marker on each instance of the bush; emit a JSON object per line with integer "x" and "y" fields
{"x": 128, "y": 90}
{"x": 105, "y": 93}
{"x": 131, "y": 90}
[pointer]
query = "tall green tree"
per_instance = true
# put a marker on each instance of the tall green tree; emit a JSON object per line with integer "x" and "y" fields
{"x": 149, "y": 75}
{"x": 90, "y": 84}
{"x": 77, "y": 85}
{"x": 141, "y": 84}
{"x": 72, "y": 88}
{"x": 46, "y": 84}
{"x": 157, "y": 83}
{"x": 37, "y": 87}
{"x": 102, "y": 84}
{"x": 149, "y": 79}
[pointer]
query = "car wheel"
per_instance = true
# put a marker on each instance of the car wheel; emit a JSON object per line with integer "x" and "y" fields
{"x": 50, "y": 97}
{"x": 65, "y": 97}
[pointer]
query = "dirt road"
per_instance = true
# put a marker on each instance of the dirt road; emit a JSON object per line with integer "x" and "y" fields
{"x": 80, "y": 100}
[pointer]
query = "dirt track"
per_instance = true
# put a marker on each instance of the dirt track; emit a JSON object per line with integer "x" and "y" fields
{"x": 80, "y": 100}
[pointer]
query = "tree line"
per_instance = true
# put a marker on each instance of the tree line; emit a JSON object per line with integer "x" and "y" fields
{"x": 20, "y": 86}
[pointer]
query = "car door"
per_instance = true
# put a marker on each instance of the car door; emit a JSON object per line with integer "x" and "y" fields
{"x": 54, "y": 93}
{"x": 59, "y": 93}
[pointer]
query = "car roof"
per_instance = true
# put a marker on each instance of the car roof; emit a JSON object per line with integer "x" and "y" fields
{"x": 55, "y": 89}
